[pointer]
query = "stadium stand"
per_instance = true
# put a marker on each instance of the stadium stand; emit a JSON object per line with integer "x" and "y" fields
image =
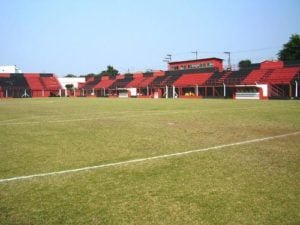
{"x": 135, "y": 82}
{"x": 187, "y": 80}
{"x": 14, "y": 85}
{"x": 167, "y": 80}
{"x": 123, "y": 82}
{"x": 105, "y": 83}
{"x": 273, "y": 78}
{"x": 283, "y": 75}
{"x": 50, "y": 82}
{"x": 255, "y": 76}
{"x": 91, "y": 83}
{"x": 146, "y": 82}
{"x": 35, "y": 84}
{"x": 236, "y": 77}
{"x": 216, "y": 78}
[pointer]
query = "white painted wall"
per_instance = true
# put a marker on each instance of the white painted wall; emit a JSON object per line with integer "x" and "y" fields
{"x": 264, "y": 88}
{"x": 70, "y": 80}
{"x": 10, "y": 69}
{"x": 132, "y": 91}
{"x": 243, "y": 95}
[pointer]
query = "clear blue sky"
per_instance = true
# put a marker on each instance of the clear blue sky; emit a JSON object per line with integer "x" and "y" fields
{"x": 84, "y": 36}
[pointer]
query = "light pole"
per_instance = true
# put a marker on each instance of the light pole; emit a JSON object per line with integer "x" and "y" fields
{"x": 168, "y": 58}
{"x": 229, "y": 63}
{"x": 196, "y": 53}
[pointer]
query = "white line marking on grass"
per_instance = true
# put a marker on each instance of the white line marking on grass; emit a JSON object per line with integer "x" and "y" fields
{"x": 5, "y": 180}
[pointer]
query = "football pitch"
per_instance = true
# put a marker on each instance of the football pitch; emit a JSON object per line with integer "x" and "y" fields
{"x": 147, "y": 161}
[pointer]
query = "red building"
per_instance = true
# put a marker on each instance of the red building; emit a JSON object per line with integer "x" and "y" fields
{"x": 197, "y": 64}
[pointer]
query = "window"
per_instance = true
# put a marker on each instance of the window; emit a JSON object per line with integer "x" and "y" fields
{"x": 210, "y": 64}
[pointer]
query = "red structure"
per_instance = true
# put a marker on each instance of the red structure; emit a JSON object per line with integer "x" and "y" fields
{"x": 197, "y": 64}
{"x": 203, "y": 78}
{"x": 29, "y": 85}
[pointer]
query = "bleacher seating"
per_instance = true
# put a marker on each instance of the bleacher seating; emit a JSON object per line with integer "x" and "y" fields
{"x": 215, "y": 78}
{"x": 91, "y": 84}
{"x": 14, "y": 85}
{"x": 187, "y": 80}
{"x": 145, "y": 82}
{"x": 283, "y": 75}
{"x": 255, "y": 76}
{"x": 167, "y": 80}
{"x": 4, "y": 75}
{"x": 135, "y": 82}
{"x": 36, "y": 86}
{"x": 280, "y": 76}
{"x": 50, "y": 82}
{"x": 5, "y": 82}
{"x": 236, "y": 77}
{"x": 34, "y": 82}
{"x": 104, "y": 84}
{"x": 122, "y": 83}
{"x": 18, "y": 81}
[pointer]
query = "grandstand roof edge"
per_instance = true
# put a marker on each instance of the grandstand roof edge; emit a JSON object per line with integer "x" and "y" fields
{"x": 195, "y": 60}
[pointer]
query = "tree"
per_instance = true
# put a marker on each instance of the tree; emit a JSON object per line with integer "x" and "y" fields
{"x": 110, "y": 71}
{"x": 291, "y": 50}
{"x": 69, "y": 86}
{"x": 70, "y": 75}
{"x": 90, "y": 75}
{"x": 244, "y": 63}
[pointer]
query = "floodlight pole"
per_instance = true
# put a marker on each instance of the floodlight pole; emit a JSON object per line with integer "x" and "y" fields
{"x": 196, "y": 53}
{"x": 168, "y": 58}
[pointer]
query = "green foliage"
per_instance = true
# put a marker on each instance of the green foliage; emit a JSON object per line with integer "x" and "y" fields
{"x": 110, "y": 71}
{"x": 69, "y": 86}
{"x": 70, "y": 75}
{"x": 90, "y": 75}
{"x": 291, "y": 50}
{"x": 244, "y": 63}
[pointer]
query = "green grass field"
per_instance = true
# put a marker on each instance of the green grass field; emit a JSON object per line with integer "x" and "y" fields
{"x": 254, "y": 183}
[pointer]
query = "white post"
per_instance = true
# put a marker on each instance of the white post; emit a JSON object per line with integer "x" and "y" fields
{"x": 167, "y": 91}
{"x": 224, "y": 90}
{"x": 6, "y": 93}
{"x": 173, "y": 91}
{"x": 43, "y": 92}
{"x": 296, "y": 90}
{"x": 104, "y": 92}
{"x": 74, "y": 93}
{"x": 59, "y": 92}
{"x": 196, "y": 92}
{"x": 147, "y": 90}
